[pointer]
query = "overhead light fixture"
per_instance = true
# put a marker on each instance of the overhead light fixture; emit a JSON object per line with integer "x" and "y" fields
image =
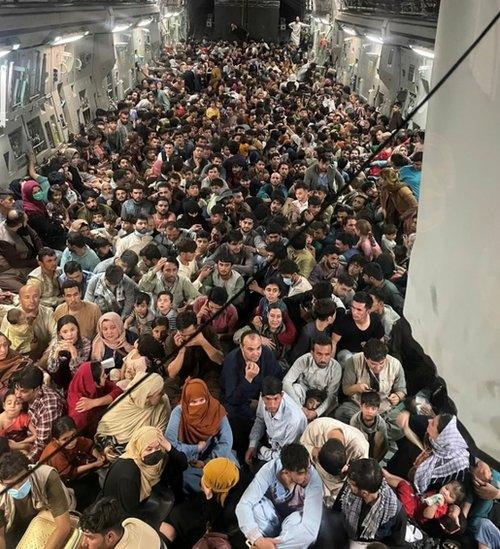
{"x": 68, "y": 38}
{"x": 15, "y": 47}
{"x": 372, "y": 53}
{"x": 3, "y": 53}
{"x": 373, "y": 38}
{"x": 349, "y": 31}
{"x": 121, "y": 27}
{"x": 429, "y": 54}
{"x": 145, "y": 22}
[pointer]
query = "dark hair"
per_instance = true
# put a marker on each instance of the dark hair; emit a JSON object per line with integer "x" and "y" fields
{"x": 70, "y": 284}
{"x": 173, "y": 260}
{"x": 366, "y": 474}
{"x": 130, "y": 258}
{"x": 225, "y": 258}
{"x": 322, "y": 340}
{"x": 234, "y": 236}
{"x": 30, "y": 377}
{"x": 186, "y": 319}
{"x": 63, "y": 425}
{"x": 45, "y": 252}
{"x": 324, "y": 308}
{"x": 378, "y": 293}
{"x": 160, "y": 321}
{"x": 294, "y": 457}
{"x": 364, "y": 298}
{"x": 76, "y": 239}
{"x": 217, "y": 295}
{"x": 373, "y": 270}
{"x": 271, "y": 386}
{"x": 346, "y": 280}
{"x": 150, "y": 252}
{"x": 96, "y": 370}
{"x": 332, "y": 456}
{"x": 370, "y": 398}
{"x": 375, "y": 350}
{"x": 68, "y": 319}
{"x": 288, "y": 266}
{"x": 142, "y": 297}
{"x": 114, "y": 274}
{"x": 298, "y": 242}
{"x": 248, "y": 333}
{"x": 102, "y": 516}
{"x": 13, "y": 464}
{"x": 151, "y": 349}
{"x": 72, "y": 267}
{"x": 164, "y": 292}
{"x": 186, "y": 245}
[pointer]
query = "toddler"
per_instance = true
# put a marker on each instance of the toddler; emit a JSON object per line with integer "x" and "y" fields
{"x": 163, "y": 307}
{"x": 20, "y": 332}
{"x": 389, "y": 239}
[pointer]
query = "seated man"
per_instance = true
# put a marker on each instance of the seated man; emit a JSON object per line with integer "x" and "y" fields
{"x": 374, "y": 278}
{"x": 25, "y": 497}
{"x": 365, "y": 510}
{"x": 137, "y": 240}
{"x": 200, "y": 357}
{"x": 78, "y": 250}
{"x": 243, "y": 370}
{"x": 279, "y": 418}
{"x": 103, "y": 525}
{"x": 113, "y": 291}
{"x": 223, "y": 276}
{"x": 387, "y": 314}
{"x": 86, "y": 313}
{"x": 73, "y": 271}
{"x": 243, "y": 258}
{"x": 207, "y": 306}
{"x": 44, "y": 404}
{"x": 315, "y": 370}
{"x": 282, "y": 505}
{"x": 337, "y": 444}
{"x": 46, "y": 278}
{"x": 297, "y": 283}
{"x": 164, "y": 277}
{"x": 374, "y": 370}
{"x": 352, "y": 330}
{"x": 40, "y": 317}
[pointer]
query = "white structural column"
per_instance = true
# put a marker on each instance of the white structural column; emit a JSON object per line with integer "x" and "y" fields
{"x": 453, "y": 298}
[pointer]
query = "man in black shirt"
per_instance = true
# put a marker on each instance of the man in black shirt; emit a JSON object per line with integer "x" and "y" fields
{"x": 352, "y": 330}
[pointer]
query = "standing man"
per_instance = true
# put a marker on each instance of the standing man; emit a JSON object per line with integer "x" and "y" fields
{"x": 296, "y": 27}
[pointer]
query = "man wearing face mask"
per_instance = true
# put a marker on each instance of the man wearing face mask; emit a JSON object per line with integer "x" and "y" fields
{"x": 19, "y": 245}
{"x": 296, "y": 283}
{"x": 149, "y": 461}
{"x": 136, "y": 240}
{"x": 43, "y": 490}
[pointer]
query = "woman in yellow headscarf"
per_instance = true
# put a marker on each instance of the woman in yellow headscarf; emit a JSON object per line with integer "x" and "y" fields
{"x": 133, "y": 476}
{"x": 214, "y": 507}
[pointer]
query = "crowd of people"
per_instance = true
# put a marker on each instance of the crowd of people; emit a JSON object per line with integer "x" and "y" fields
{"x": 202, "y": 340}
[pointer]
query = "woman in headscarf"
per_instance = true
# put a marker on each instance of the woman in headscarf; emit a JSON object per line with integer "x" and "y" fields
{"x": 10, "y": 362}
{"x": 445, "y": 457}
{"x": 214, "y": 507}
{"x": 149, "y": 460}
{"x": 395, "y": 197}
{"x": 199, "y": 427}
{"x": 144, "y": 405}
{"x": 49, "y": 230}
{"x": 67, "y": 351}
{"x": 112, "y": 340}
{"x": 89, "y": 393}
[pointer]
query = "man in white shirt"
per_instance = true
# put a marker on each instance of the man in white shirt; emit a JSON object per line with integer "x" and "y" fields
{"x": 136, "y": 240}
{"x": 278, "y": 417}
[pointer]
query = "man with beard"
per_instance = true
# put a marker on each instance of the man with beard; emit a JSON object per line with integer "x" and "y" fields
{"x": 137, "y": 240}
{"x": 92, "y": 207}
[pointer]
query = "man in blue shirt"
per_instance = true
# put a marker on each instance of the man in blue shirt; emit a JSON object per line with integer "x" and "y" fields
{"x": 282, "y": 506}
{"x": 411, "y": 174}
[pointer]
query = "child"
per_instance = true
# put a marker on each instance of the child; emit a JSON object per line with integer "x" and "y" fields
{"x": 314, "y": 397}
{"x": 389, "y": 238}
{"x": 78, "y": 457}
{"x": 139, "y": 322}
{"x": 272, "y": 294}
{"x": 15, "y": 425}
{"x": 371, "y": 424}
{"x": 109, "y": 232}
{"x": 97, "y": 221}
{"x": 19, "y": 332}
{"x": 431, "y": 505}
{"x": 160, "y": 327}
{"x": 163, "y": 308}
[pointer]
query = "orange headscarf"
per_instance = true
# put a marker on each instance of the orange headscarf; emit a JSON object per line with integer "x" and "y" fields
{"x": 199, "y": 422}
